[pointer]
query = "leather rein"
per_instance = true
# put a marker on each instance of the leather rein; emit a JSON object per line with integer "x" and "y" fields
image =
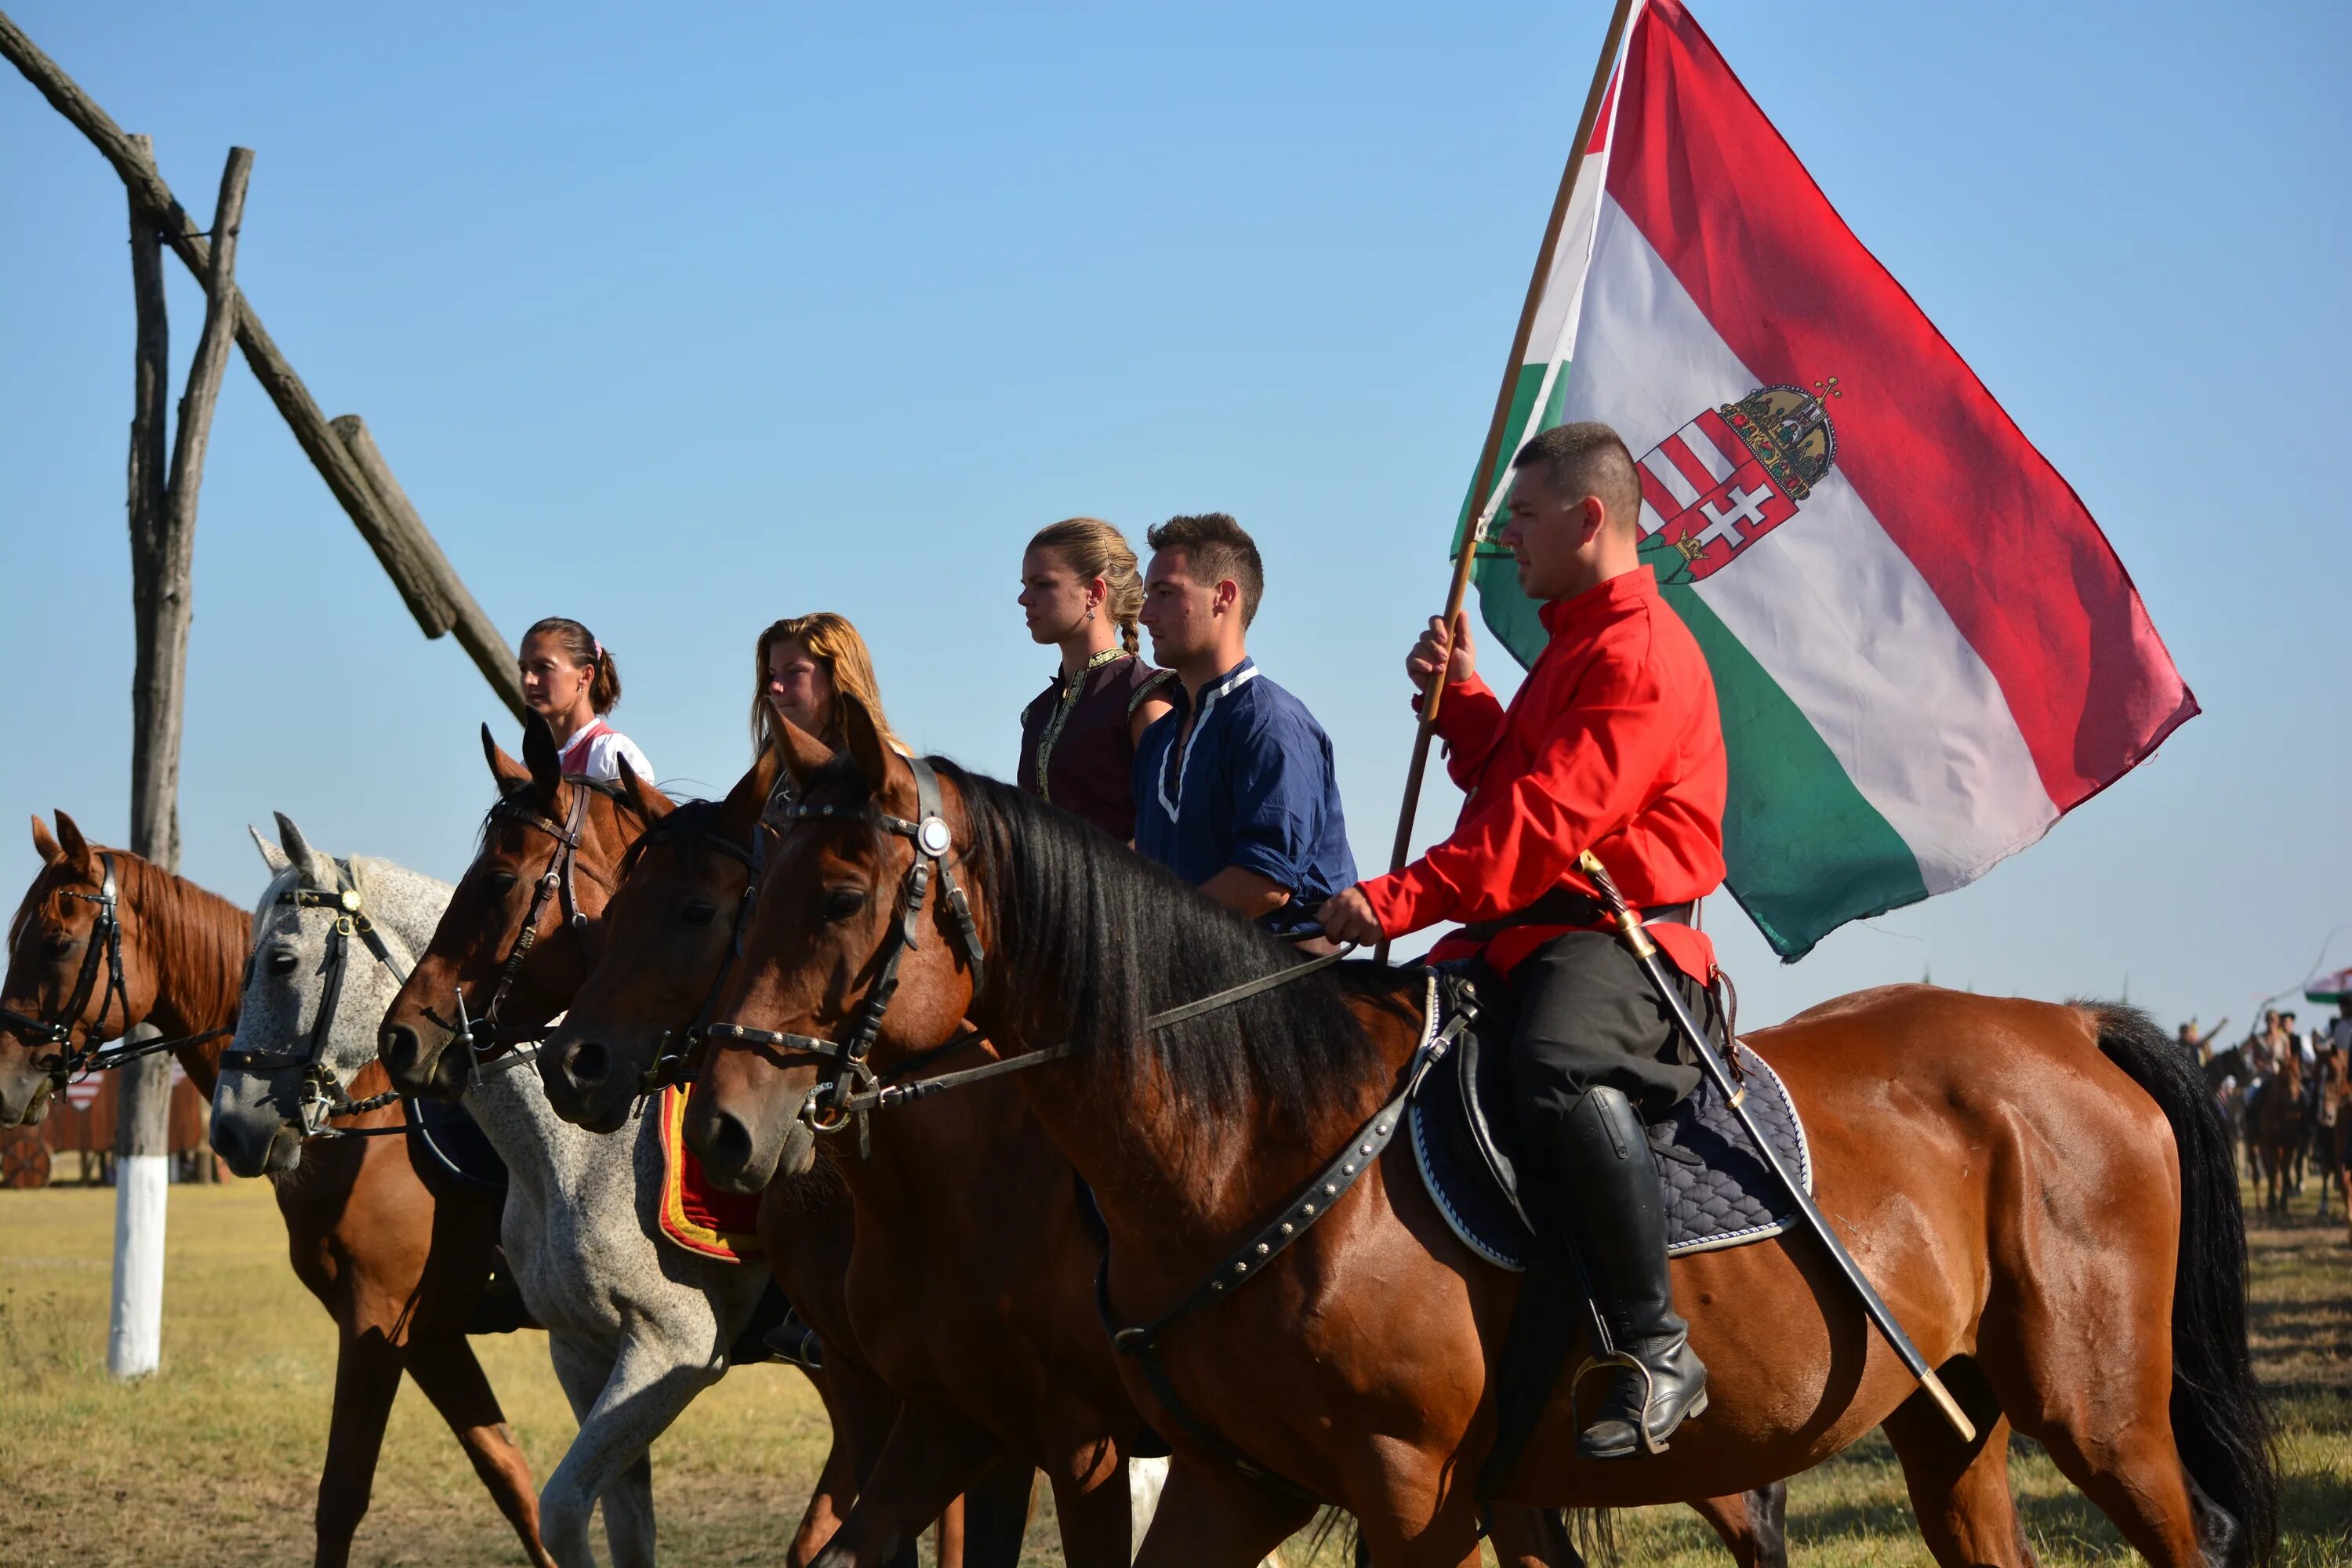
{"x": 105, "y": 945}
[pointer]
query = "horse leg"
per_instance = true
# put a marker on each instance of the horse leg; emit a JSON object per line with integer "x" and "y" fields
{"x": 996, "y": 1518}
{"x": 367, "y": 1376}
{"x": 1753, "y": 1525}
{"x": 1959, "y": 1491}
{"x": 446, "y": 1369}
{"x": 1530, "y": 1538}
{"x": 1212, "y": 1516}
{"x": 644, "y": 1388}
{"x": 1094, "y": 1501}
{"x": 926, "y": 1463}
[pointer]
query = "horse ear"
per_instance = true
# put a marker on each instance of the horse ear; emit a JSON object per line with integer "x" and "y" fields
{"x": 271, "y": 855}
{"x": 882, "y": 766}
{"x": 69, "y": 840}
{"x": 299, "y": 853}
{"x": 544, "y": 760}
{"x": 804, "y": 756}
{"x": 45, "y": 844}
{"x": 649, "y": 802}
{"x": 503, "y": 768}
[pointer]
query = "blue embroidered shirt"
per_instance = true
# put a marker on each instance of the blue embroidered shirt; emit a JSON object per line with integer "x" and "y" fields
{"x": 1255, "y": 787}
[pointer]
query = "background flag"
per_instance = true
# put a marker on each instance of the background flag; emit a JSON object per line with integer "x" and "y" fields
{"x": 1925, "y": 651}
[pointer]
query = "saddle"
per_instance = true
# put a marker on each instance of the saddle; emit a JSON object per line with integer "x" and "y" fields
{"x": 1718, "y": 1190}
{"x": 452, "y": 1143}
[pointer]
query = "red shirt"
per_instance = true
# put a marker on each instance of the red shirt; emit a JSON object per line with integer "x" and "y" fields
{"x": 1611, "y": 744}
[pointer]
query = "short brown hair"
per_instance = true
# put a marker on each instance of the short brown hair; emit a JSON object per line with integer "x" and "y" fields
{"x": 579, "y": 644}
{"x": 1218, "y": 550}
{"x": 1587, "y": 459}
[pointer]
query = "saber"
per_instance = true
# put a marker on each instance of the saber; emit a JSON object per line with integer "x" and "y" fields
{"x": 1645, "y": 953}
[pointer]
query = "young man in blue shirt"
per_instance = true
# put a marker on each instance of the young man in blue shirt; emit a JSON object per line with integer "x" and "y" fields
{"x": 1234, "y": 791}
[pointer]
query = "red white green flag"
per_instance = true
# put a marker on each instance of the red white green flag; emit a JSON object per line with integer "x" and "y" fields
{"x": 1924, "y": 649}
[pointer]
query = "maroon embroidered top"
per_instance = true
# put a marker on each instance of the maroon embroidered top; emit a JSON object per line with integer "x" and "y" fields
{"x": 1077, "y": 750}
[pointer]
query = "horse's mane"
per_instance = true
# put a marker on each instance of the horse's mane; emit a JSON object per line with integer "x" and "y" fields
{"x": 195, "y": 936}
{"x": 1099, "y": 938}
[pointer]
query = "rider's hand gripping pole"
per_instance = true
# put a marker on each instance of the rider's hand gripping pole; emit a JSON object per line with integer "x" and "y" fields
{"x": 1645, "y": 953}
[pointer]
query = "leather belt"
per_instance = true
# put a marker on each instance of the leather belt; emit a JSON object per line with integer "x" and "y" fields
{"x": 1567, "y": 906}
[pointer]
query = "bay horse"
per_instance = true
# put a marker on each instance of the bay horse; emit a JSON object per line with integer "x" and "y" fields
{"x": 971, "y": 1282}
{"x": 2332, "y": 1130}
{"x": 549, "y": 857}
{"x": 183, "y": 952}
{"x": 2041, "y": 1193}
{"x": 2278, "y": 1126}
{"x": 103, "y": 941}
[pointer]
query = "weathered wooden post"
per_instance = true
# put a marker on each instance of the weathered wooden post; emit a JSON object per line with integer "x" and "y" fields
{"x": 162, "y": 546}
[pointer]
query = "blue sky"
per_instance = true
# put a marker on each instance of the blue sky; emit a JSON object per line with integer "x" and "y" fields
{"x": 679, "y": 319}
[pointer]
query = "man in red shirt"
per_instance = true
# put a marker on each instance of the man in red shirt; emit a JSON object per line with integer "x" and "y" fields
{"x": 1613, "y": 745}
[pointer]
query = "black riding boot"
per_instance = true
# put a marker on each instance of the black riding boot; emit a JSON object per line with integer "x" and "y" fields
{"x": 1608, "y": 1180}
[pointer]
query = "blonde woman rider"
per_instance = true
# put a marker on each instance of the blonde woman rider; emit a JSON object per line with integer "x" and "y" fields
{"x": 1081, "y": 592}
{"x": 572, "y": 682}
{"x": 802, "y": 665}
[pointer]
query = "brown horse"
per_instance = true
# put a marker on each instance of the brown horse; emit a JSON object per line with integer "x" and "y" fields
{"x": 2039, "y": 1192}
{"x": 2333, "y": 1132}
{"x": 2279, "y": 1128}
{"x": 372, "y": 1238}
{"x": 551, "y": 869}
{"x": 1012, "y": 1358}
{"x": 180, "y": 947}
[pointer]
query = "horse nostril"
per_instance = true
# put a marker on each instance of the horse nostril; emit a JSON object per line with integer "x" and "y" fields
{"x": 397, "y": 1045}
{"x": 729, "y": 1147}
{"x": 587, "y": 1063}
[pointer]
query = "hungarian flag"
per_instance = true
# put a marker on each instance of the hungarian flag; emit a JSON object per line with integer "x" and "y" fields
{"x": 1924, "y": 649}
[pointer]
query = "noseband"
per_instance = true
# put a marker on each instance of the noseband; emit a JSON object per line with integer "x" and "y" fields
{"x": 322, "y": 1094}
{"x": 828, "y": 1108}
{"x": 105, "y": 938}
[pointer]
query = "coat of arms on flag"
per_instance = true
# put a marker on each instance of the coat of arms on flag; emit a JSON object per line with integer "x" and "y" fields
{"x": 1731, "y": 476}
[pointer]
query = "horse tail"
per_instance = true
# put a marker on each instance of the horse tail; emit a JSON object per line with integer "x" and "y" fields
{"x": 2218, "y": 1420}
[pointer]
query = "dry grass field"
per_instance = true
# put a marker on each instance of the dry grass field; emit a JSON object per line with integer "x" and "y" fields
{"x": 214, "y": 1460}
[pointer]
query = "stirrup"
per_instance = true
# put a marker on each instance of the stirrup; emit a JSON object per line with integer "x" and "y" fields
{"x": 1647, "y": 1444}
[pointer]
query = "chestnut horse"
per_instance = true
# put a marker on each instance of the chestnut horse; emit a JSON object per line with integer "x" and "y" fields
{"x": 550, "y": 859}
{"x": 180, "y": 949}
{"x": 2278, "y": 1129}
{"x": 2042, "y": 1193}
{"x": 1012, "y": 1359}
{"x": 372, "y": 1238}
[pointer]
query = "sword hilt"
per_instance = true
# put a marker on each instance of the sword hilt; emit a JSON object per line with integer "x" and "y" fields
{"x": 1627, "y": 918}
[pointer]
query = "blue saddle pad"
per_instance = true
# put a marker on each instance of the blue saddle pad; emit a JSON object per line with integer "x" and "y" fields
{"x": 445, "y": 1132}
{"x": 1718, "y": 1190}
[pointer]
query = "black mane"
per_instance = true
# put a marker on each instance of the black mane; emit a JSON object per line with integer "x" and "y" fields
{"x": 1095, "y": 938}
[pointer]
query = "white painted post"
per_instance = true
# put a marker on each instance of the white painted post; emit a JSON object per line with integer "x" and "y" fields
{"x": 143, "y": 1174}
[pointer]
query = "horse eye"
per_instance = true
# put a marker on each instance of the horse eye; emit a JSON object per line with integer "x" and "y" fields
{"x": 701, "y": 914}
{"x": 282, "y": 964}
{"x": 502, "y": 883}
{"x": 842, "y": 903}
{"x": 62, "y": 943}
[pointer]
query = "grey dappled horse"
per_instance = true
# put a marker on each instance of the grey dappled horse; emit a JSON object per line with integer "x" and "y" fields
{"x": 637, "y": 1327}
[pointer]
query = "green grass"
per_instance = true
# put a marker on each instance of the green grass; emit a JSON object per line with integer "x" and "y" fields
{"x": 215, "y": 1460}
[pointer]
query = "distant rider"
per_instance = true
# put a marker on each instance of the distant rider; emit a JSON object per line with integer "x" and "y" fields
{"x": 1611, "y": 744}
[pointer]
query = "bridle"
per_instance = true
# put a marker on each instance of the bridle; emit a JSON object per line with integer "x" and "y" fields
{"x": 834, "y": 1106}
{"x": 322, "y": 1094}
{"x": 670, "y": 1067}
{"x": 482, "y": 1036}
{"x": 105, "y": 939}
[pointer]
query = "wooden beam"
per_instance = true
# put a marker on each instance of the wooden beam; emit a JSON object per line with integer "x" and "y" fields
{"x": 151, "y": 393}
{"x": 477, "y": 634}
{"x": 415, "y": 565}
{"x": 163, "y": 560}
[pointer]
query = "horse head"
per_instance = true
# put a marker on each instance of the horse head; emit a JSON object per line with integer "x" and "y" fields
{"x": 78, "y": 975}
{"x": 669, "y": 933}
{"x": 517, "y": 938}
{"x": 832, "y": 940}
{"x": 327, "y": 955}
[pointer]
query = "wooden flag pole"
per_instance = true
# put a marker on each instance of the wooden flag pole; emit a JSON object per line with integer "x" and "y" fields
{"x": 1490, "y": 454}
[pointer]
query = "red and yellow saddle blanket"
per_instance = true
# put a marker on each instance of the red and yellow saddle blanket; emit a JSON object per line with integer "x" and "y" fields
{"x": 694, "y": 1214}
